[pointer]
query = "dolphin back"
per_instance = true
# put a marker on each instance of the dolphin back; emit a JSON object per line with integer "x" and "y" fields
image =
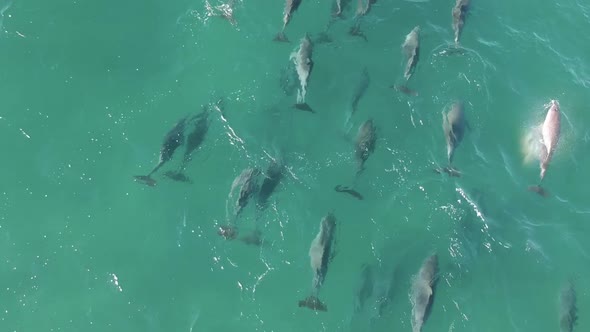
{"x": 568, "y": 309}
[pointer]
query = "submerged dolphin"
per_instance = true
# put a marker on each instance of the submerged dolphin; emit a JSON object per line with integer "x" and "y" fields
{"x": 290, "y": 7}
{"x": 365, "y": 287}
{"x": 200, "y": 126}
{"x": 320, "y": 253}
{"x": 550, "y": 132}
{"x": 568, "y": 310}
{"x": 360, "y": 90}
{"x": 411, "y": 48}
{"x": 459, "y": 12}
{"x": 422, "y": 291}
{"x": 304, "y": 66}
{"x": 272, "y": 178}
{"x": 173, "y": 139}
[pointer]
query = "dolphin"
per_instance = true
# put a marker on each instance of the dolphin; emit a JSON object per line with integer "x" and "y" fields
{"x": 247, "y": 180}
{"x": 422, "y": 291}
{"x": 355, "y": 29}
{"x": 360, "y": 90}
{"x": 365, "y": 143}
{"x": 363, "y": 8}
{"x": 304, "y": 66}
{"x": 173, "y": 139}
{"x": 364, "y": 146}
{"x": 272, "y": 178}
{"x": 550, "y": 132}
{"x": 200, "y": 126}
{"x": 454, "y": 124}
{"x": 224, "y": 10}
{"x": 320, "y": 253}
{"x": 459, "y": 12}
{"x": 411, "y": 49}
{"x": 568, "y": 310}
{"x": 247, "y": 184}
{"x": 365, "y": 287}
{"x": 290, "y": 7}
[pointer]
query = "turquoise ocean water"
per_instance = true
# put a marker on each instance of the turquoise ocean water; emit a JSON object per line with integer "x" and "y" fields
{"x": 89, "y": 89}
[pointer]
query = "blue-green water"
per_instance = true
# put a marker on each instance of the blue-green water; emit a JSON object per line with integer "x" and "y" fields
{"x": 88, "y": 90}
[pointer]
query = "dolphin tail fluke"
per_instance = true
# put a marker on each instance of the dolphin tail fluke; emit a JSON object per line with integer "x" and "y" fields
{"x": 304, "y": 107}
{"x": 313, "y": 303}
{"x": 343, "y": 189}
{"x": 281, "y": 37}
{"x": 145, "y": 179}
{"x": 539, "y": 190}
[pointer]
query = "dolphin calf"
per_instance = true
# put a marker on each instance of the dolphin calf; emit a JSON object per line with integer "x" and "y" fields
{"x": 411, "y": 49}
{"x": 200, "y": 126}
{"x": 568, "y": 310}
{"x": 173, "y": 139}
{"x": 550, "y": 132}
{"x": 304, "y": 66}
{"x": 290, "y": 7}
{"x": 422, "y": 291}
{"x": 360, "y": 90}
{"x": 459, "y": 12}
{"x": 320, "y": 253}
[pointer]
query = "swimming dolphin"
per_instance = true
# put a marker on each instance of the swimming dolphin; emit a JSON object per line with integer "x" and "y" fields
{"x": 411, "y": 49}
{"x": 304, "y": 66}
{"x": 224, "y": 10}
{"x": 249, "y": 186}
{"x": 338, "y": 5}
{"x": 550, "y": 132}
{"x": 355, "y": 29}
{"x": 290, "y": 7}
{"x": 422, "y": 291}
{"x": 364, "y": 146}
{"x": 200, "y": 126}
{"x": 272, "y": 178}
{"x": 454, "y": 124}
{"x": 360, "y": 90}
{"x": 365, "y": 143}
{"x": 568, "y": 310}
{"x": 173, "y": 139}
{"x": 365, "y": 287}
{"x": 459, "y": 12}
{"x": 320, "y": 253}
